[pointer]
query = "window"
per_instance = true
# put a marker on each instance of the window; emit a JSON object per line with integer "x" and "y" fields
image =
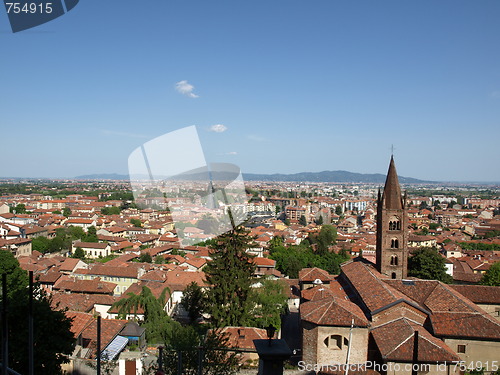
{"x": 394, "y": 224}
{"x": 393, "y": 276}
{"x": 460, "y": 348}
{"x": 394, "y": 243}
{"x": 394, "y": 260}
{"x": 497, "y": 311}
{"x": 335, "y": 342}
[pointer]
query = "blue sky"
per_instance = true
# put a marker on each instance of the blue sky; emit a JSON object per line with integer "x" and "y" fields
{"x": 297, "y": 85}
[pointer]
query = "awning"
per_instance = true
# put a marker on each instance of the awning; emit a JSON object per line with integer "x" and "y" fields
{"x": 114, "y": 348}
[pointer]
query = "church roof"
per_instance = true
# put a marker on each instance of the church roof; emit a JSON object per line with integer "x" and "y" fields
{"x": 452, "y": 314}
{"x": 395, "y": 341}
{"x": 333, "y": 311}
{"x": 371, "y": 288}
{"x": 391, "y": 198}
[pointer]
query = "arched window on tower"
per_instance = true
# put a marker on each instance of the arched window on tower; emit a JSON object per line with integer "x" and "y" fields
{"x": 393, "y": 276}
{"x": 394, "y": 223}
{"x": 394, "y": 260}
{"x": 394, "y": 243}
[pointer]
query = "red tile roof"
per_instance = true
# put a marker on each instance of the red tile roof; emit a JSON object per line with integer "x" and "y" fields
{"x": 333, "y": 312}
{"x": 308, "y": 275}
{"x": 395, "y": 341}
{"x": 480, "y": 293}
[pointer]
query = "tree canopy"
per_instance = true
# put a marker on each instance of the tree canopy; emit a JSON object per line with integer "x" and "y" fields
{"x": 53, "y": 340}
{"x": 156, "y": 320}
{"x": 230, "y": 273}
{"x": 270, "y": 302}
{"x": 492, "y": 276}
{"x": 193, "y": 301}
{"x": 427, "y": 263}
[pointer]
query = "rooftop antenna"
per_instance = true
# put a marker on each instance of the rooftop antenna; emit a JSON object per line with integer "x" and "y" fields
{"x": 392, "y": 150}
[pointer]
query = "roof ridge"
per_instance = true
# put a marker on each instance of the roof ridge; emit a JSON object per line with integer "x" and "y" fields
{"x": 403, "y": 341}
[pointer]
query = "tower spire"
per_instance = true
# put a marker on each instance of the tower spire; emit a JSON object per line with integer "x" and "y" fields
{"x": 391, "y": 198}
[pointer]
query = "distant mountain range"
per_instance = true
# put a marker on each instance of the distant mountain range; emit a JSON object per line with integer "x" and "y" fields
{"x": 325, "y": 176}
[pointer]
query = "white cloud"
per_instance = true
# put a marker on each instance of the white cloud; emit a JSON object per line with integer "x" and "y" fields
{"x": 185, "y": 88}
{"x": 495, "y": 94}
{"x": 218, "y": 128}
{"x": 231, "y": 153}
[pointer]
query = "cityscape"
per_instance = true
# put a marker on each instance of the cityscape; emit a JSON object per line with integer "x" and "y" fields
{"x": 375, "y": 276}
{"x": 250, "y": 187}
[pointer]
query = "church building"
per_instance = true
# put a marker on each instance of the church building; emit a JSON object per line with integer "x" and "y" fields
{"x": 376, "y": 314}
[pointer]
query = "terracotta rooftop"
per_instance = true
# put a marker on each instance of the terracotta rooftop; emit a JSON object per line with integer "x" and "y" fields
{"x": 395, "y": 341}
{"x": 333, "y": 312}
{"x": 80, "y": 321}
{"x": 105, "y": 270}
{"x": 480, "y": 293}
{"x": 309, "y": 275}
{"x": 242, "y": 337}
{"x": 80, "y": 302}
{"x": 86, "y": 286}
{"x": 370, "y": 287}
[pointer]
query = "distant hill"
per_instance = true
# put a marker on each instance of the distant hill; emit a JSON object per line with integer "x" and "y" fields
{"x": 103, "y": 176}
{"x": 325, "y": 176}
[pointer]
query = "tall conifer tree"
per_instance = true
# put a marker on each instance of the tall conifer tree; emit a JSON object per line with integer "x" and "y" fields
{"x": 230, "y": 273}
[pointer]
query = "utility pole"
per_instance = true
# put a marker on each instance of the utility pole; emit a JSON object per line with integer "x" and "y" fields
{"x": 98, "y": 345}
{"x": 414, "y": 365}
{"x": 31, "y": 344}
{"x": 5, "y": 327}
{"x": 349, "y": 348}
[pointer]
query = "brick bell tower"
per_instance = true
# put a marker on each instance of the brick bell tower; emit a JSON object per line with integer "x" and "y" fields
{"x": 392, "y": 228}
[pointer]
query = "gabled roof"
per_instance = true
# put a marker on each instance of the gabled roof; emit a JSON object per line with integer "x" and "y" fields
{"x": 307, "y": 275}
{"x": 80, "y": 321}
{"x": 480, "y": 293}
{"x": 242, "y": 337}
{"x": 452, "y": 314}
{"x": 373, "y": 291}
{"x": 333, "y": 312}
{"x": 395, "y": 341}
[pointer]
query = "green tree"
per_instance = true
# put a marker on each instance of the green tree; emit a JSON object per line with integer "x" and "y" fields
{"x": 91, "y": 235}
{"x": 302, "y": 220}
{"x": 319, "y": 220}
{"x": 156, "y": 320}
{"x": 216, "y": 359}
{"x": 193, "y": 301}
{"x": 230, "y": 273}
{"x": 326, "y": 237}
{"x": 492, "y": 276}
{"x": 427, "y": 263}
{"x": 79, "y": 253}
{"x": 113, "y": 210}
{"x": 40, "y": 244}
{"x": 145, "y": 257}
{"x": 19, "y": 209}
{"x": 76, "y": 233}
{"x": 270, "y": 303}
{"x": 66, "y": 212}
{"x": 136, "y": 223}
{"x": 49, "y": 354}
{"x": 338, "y": 210}
{"x": 159, "y": 259}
